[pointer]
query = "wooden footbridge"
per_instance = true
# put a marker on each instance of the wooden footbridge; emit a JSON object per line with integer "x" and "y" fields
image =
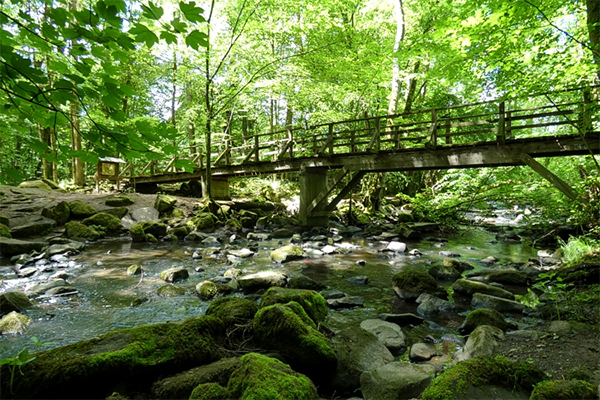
{"x": 486, "y": 134}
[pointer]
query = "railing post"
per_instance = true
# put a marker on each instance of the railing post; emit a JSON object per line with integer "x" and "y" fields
{"x": 433, "y": 129}
{"x": 330, "y": 138}
{"x": 291, "y": 144}
{"x": 448, "y": 126}
{"x": 585, "y": 115}
{"x": 256, "y": 148}
{"x": 375, "y": 141}
{"x": 228, "y": 151}
{"x": 501, "y": 133}
{"x": 353, "y": 141}
{"x": 507, "y": 123}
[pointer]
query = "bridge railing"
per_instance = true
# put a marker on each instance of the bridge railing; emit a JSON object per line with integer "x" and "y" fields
{"x": 568, "y": 112}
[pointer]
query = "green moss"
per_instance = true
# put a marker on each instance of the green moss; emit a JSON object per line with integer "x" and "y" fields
{"x": 562, "y": 389}
{"x": 233, "y": 224}
{"x": 232, "y": 310}
{"x": 4, "y": 231}
{"x": 208, "y": 290}
{"x": 77, "y": 230}
{"x": 312, "y": 302}
{"x": 483, "y": 316}
{"x": 262, "y": 377}
{"x": 60, "y": 212}
{"x": 208, "y": 391}
{"x": 120, "y": 201}
{"x": 415, "y": 282}
{"x": 279, "y": 327}
{"x": 202, "y": 222}
{"x": 138, "y": 231}
{"x": 80, "y": 210}
{"x": 481, "y": 371}
{"x": 136, "y": 356}
{"x": 118, "y": 212}
{"x": 108, "y": 223}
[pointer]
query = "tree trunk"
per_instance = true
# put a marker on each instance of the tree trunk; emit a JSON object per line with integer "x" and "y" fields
{"x": 78, "y": 173}
{"x": 209, "y": 110}
{"x": 45, "y": 134}
{"x": 395, "y": 92}
{"x": 593, "y": 24}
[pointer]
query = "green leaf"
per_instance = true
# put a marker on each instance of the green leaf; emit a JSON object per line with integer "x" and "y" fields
{"x": 178, "y": 25}
{"x": 59, "y": 66}
{"x": 195, "y": 39}
{"x": 191, "y": 12}
{"x": 168, "y": 37}
{"x": 187, "y": 165}
{"x": 58, "y": 15}
{"x": 151, "y": 11}
{"x": 143, "y": 34}
{"x": 111, "y": 101}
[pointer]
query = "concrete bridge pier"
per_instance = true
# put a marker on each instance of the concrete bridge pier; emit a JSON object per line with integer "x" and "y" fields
{"x": 312, "y": 182}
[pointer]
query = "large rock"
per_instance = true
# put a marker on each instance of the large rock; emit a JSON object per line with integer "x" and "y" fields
{"x": 81, "y": 210}
{"x": 396, "y": 380}
{"x": 33, "y": 229}
{"x": 444, "y": 273}
{"x": 180, "y": 386}
{"x": 128, "y": 359}
{"x": 78, "y": 231}
{"x": 4, "y": 231}
{"x": 508, "y": 276}
{"x": 358, "y": 351}
{"x": 481, "y": 300}
{"x": 174, "y": 274}
{"x": 141, "y": 229}
{"x": 261, "y": 280}
{"x": 301, "y": 281}
{"x": 73, "y": 247}
{"x": 287, "y": 329}
{"x": 287, "y": 253}
{"x": 59, "y": 213}
{"x": 313, "y": 303}
{"x": 410, "y": 283}
{"x": 104, "y": 222}
{"x": 209, "y": 290}
{"x": 469, "y": 288}
{"x": 145, "y": 214}
{"x": 13, "y": 301}
{"x": 422, "y": 352}
{"x": 388, "y": 333}
{"x": 232, "y": 311}
{"x": 430, "y": 305}
{"x": 460, "y": 266}
{"x": 119, "y": 201}
{"x": 398, "y": 247}
{"x": 346, "y": 302}
{"x": 483, "y": 341}
{"x": 11, "y": 247}
{"x": 14, "y": 323}
{"x": 39, "y": 184}
{"x": 202, "y": 222}
{"x": 564, "y": 389}
{"x": 485, "y": 378}
{"x": 164, "y": 203}
{"x": 262, "y": 377}
{"x": 483, "y": 316}
{"x": 42, "y": 288}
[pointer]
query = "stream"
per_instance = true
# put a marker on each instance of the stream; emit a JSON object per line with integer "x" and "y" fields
{"x": 109, "y": 299}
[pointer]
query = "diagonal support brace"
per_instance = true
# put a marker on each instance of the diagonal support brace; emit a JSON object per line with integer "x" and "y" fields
{"x": 550, "y": 177}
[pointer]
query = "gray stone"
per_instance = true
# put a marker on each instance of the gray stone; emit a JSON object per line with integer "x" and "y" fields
{"x": 41, "y": 288}
{"x": 261, "y": 280}
{"x": 329, "y": 249}
{"x": 13, "y": 301}
{"x": 243, "y": 253}
{"x": 61, "y": 290}
{"x": 430, "y": 305}
{"x": 346, "y": 302}
{"x": 483, "y": 341}
{"x": 422, "y": 352}
{"x": 174, "y": 274}
{"x": 444, "y": 273}
{"x": 332, "y": 294}
{"x": 211, "y": 241}
{"x": 170, "y": 290}
{"x": 280, "y": 233}
{"x": 74, "y": 247}
{"x": 33, "y": 229}
{"x": 398, "y": 247}
{"x": 358, "y": 351}
{"x": 36, "y": 184}
{"x": 287, "y": 253}
{"x": 258, "y": 236}
{"x": 164, "y": 203}
{"x": 301, "y": 281}
{"x": 528, "y": 334}
{"x": 359, "y": 280}
{"x": 26, "y": 272}
{"x": 482, "y": 316}
{"x": 81, "y": 210}
{"x": 14, "y": 323}
{"x": 560, "y": 327}
{"x": 451, "y": 254}
{"x": 481, "y": 300}
{"x": 142, "y": 214}
{"x": 396, "y": 380}
{"x": 469, "y": 287}
{"x": 388, "y": 333}
{"x": 135, "y": 270}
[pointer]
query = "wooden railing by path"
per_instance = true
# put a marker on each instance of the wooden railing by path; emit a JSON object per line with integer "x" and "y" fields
{"x": 570, "y": 112}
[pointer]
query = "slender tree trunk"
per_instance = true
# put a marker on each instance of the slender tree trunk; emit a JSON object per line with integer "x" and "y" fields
{"x": 78, "y": 173}
{"x": 411, "y": 88}
{"x": 174, "y": 92}
{"x": 45, "y": 134}
{"x": 209, "y": 110}
{"x": 395, "y": 92}
{"x": 593, "y": 23}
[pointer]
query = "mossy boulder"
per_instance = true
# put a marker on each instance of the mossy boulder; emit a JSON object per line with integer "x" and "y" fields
{"x": 312, "y": 302}
{"x": 118, "y": 212}
{"x": 208, "y": 391}
{"x": 13, "y": 301}
{"x": 483, "y": 341}
{"x": 483, "y": 316}
{"x": 119, "y": 201}
{"x": 164, "y": 203}
{"x": 78, "y": 231}
{"x": 508, "y": 277}
{"x": 33, "y": 229}
{"x": 469, "y": 288}
{"x": 209, "y": 290}
{"x": 563, "y": 389}
{"x": 409, "y": 284}
{"x": 5, "y": 232}
{"x": 232, "y": 310}
{"x": 287, "y": 253}
{"x": 4, "y": 220}
{"x": 470, "y": 379}
{"x": 460, "y": 266}
{"x": 105, "y": 222}
{"x": 59, "y": 213}
{"x": 181, "y": 385}
{"x": 130, "y": 358}
{"x": 39, "y": 184}
{"x": 11, "y": 247}
{"x": 81, "y": 210}
{"x": 301, "y": 281}
{"x": 180, "y": 231}
{"x": 138, "y": 231}
{"x": 174, "y": 274}
{"x": 202, "y": 222}
{"x": 444, "y": 273}
{"x": 14, "y": 323}
{"x": 170, "y": 290}
{"x": 262, "y": 377}
{"x": 285, "y": 328}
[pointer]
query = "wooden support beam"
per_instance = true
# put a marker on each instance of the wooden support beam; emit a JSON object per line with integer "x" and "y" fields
{"x": 351, "y": 185}
{"x": 550, "y": 177}
{"x": 322, "y": 196}
{"x": 433, "y": 129}
{"x": 375, "y": 143}
{"x": 501, "y": 134}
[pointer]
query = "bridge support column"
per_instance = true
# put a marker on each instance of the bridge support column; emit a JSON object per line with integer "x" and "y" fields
{"x": 219, "y": 188}
{"x": 312, "y": 182}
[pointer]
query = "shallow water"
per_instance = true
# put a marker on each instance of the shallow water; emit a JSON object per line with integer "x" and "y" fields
{"x": 109, "y": 299}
